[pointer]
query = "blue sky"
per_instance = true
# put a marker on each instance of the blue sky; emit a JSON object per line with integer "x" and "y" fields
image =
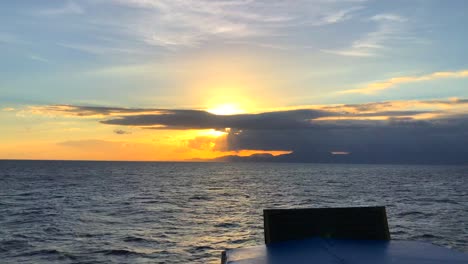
{"x": 57, "y": 51}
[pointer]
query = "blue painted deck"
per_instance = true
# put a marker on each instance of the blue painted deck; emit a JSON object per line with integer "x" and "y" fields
{"x": 331, "y": 251}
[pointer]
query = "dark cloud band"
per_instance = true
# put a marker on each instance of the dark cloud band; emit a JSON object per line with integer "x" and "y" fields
{"x": 368, "y": 133}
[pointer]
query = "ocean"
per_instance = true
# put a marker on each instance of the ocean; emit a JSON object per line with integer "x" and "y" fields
{"x": 151, "y": 212}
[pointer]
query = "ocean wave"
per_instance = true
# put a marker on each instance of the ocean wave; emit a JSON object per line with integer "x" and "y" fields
{"x": 13, "y": 244}
{"x": 49, "y": 253}
{"x": 227, "y": 225}
{"x": 120, "y": 252}
{"x": 414, "y": 213}
{"x": 135, "y": 239}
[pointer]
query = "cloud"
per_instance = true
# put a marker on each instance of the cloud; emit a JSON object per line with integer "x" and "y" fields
{"x": 389, "y": 26}
{"x": 121, "y": 132}
{"x": 69, "y": 8}
{"x": 39, "y": 58}
{"x": 305, "y": 117}
{"x": 279, "y": 120}
{"x": 196, "y": 119}
{"x": 185, "y": 23}
{"x": 433, "y": 131}
{"x": 406, "y": 105}
{"x": 208, "y": 143}
{"x": 388, "y": 17}
{"x": 88, "y": 111}
{"x": 146, "y": 26}
{"x": 100, "y": 49}
{"x": 339, "y": 16}
{"x": 173, "y": 24}
{"x": 392, "y": 82}
{"x": 392, "y": 142}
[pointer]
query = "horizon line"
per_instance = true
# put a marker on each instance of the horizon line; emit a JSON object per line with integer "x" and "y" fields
{"x": 221, "y": 161}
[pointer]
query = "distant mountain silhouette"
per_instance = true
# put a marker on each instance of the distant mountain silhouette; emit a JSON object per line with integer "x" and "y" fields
{"x": 327, "y": 157}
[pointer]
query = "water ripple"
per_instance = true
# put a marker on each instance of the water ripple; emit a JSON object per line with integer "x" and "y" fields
{"x": 125, "y": 212}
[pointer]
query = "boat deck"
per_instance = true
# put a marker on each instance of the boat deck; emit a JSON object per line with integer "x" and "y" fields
{"x": 333, "y": 251}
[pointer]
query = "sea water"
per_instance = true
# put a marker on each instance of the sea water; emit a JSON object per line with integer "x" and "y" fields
{"x": 143, "y": 212}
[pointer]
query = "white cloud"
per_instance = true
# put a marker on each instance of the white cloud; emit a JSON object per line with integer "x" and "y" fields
{"x": 99, "y": 49}
{"x": 388, "y": 17}
{"x": 339, "y": 16}
{"x": 39, "y": 58}
{"x": 392, "y": 82}
{"x": 389, "y": 26}
{"x": 179, "y": 23}
{"x": 69, "y": 8}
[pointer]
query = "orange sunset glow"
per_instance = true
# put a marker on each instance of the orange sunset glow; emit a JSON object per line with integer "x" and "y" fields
{"x": 213, "y": 81}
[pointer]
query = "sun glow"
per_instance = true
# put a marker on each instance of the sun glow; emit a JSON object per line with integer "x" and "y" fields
{"x": 213, "y": 133}
{"x": 226, "y": 109}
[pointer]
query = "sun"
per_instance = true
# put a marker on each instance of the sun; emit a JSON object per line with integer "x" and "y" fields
{"x": 213, "y": 133}
{"x": 226, "y": 109}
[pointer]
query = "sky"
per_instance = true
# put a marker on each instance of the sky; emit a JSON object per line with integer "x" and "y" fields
{"x": 305, "y": 80}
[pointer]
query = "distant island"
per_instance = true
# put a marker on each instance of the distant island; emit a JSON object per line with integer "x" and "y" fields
{"x": 329, "y": 157}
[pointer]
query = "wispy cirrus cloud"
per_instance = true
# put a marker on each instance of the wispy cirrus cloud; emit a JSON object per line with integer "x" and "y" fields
{"x": 339, "y": 15}
{"x": 39, "y": 58}
{"x": 68, "y": 8}
{"x": 146, "y": 25}
{"x": 453, "y": 104}
{"x": 375, "y": 87}
{"x": 182, "y": 23}
{"x": 87, "y": 111}
{"x": 100, "y": 49}
{"x": 389, "y": 26}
